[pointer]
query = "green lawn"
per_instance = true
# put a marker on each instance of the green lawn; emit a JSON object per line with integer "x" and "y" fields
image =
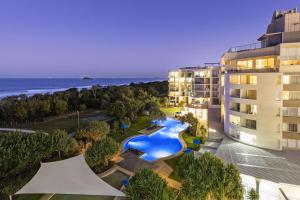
{"x": 28, "y": 197}
{"x": 68, "y": 123}
{"x": 141, "y": 123}
{"x": 170, "y": 110}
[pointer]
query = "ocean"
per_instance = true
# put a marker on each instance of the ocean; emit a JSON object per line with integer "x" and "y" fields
{"x": 31, "y": 86}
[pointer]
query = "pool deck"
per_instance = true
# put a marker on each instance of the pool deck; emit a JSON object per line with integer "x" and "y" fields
{"x": 132, "y": 163}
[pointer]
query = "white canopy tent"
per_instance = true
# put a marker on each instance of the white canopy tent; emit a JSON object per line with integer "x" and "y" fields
{"x": 70, "y": 176}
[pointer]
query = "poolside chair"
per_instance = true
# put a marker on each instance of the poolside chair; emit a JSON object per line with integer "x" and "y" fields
{"x": 188, "y": 151}
{"x": 125, "y": 182}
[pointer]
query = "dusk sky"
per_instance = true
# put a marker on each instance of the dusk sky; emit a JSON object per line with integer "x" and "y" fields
{"x": 124, "y": 38}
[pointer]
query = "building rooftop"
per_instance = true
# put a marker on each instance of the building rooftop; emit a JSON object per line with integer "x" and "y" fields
{"x": 283, "y": 28}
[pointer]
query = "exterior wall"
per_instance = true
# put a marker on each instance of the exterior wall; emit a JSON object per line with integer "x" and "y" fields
{"x": 290, "y": 67}
{"x": 268, "y": 121}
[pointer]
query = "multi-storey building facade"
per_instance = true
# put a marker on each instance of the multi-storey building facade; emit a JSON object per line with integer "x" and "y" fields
{"x": 195, "y": 85}
{"x": 260, "y": 102}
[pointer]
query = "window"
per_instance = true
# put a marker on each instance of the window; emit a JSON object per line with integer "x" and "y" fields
{"x": 235, "y": 79}
{"x": 290, "y": 95}
{"x": 292, "y": 127}
{"x": 253, "y": 80}
{"x": 234, "y": 119}
{"x": 294, "y": 112}
{"x": 290, "y": 62}
{"x": 263, "y": 63}
{"x": 291, "y": 79}
{"x": 248, "y": 64}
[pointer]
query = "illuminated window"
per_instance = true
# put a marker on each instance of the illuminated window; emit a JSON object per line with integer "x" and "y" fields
{"x": 252, "y": 80}
{"x": 248, "y": 64}
{"x": 265, "y": 63}
{"x": 235, "y": 79}
{"x": 290, "y": 95}
{"x": 234, "y": 119}
{"x": 290, "y": 62}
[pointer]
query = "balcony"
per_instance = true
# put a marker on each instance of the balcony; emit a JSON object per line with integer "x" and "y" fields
{"x": 246, "y": 47}
{"x": 291, "y": 103}
{"x": 264, "y": 70}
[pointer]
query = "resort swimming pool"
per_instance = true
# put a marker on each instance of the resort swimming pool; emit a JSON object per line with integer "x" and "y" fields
{"x": 162, "y": 143}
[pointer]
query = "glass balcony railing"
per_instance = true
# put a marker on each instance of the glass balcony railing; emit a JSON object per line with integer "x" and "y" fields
{"x": 246, "y": 47}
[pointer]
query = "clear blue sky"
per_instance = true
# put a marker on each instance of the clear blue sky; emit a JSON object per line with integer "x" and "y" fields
{"x": 124, "y": 38}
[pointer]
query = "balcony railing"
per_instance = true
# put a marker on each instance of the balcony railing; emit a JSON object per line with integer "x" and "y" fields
{"x": 246, "y": 47}
{"x": 264, "y": 70}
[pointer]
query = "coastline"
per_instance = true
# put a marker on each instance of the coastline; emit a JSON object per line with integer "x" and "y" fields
{"x": 7, "y": 90}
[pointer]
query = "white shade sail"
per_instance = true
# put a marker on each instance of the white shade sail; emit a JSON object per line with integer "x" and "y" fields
{"x": 70, "y": 176}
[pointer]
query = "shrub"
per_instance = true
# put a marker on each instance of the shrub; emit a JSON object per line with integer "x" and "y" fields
{"x": 148, "y": 185}
{"x": 100, "y": 153}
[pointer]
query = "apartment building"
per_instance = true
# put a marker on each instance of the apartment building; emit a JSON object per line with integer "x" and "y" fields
{"x": 195, "y": 85}
{"x": 260, "y": 84}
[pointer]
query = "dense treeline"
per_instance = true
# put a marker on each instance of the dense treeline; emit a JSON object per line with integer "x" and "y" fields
{"x": 118, "y": 101}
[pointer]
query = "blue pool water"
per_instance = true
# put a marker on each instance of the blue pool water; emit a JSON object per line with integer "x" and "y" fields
{"x": 162, "y": 143}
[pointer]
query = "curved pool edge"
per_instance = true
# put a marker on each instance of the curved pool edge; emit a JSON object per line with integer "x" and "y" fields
{"x": 183, "y": 146}
{"x": 127, "y": 139}
{"x": 180, "y": 139}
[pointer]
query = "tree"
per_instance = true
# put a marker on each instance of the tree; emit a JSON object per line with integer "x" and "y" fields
{"x": 154, "y": 111}
{"x": 62, "y": 143}
{"x": 118, "y": 110}
{"x": 209, "y": 178}
{"x": 97, "y": 130}
{"x": 192, "y": 121}
{"x": 100, "y": 153}
{"x": 148, "y": 185}
{"x": 94, "y": 131}
{"x": 253, "y": 195}
{"x": 60, "y": 107}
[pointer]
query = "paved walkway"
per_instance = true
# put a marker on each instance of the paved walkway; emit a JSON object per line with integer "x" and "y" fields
{"x": 280, "y": 167}
{"x": 131, "y": 162}
{"x": 277, "y": 166}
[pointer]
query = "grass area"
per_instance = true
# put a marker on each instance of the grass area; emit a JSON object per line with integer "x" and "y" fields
{"x": 189, "y": 141}
{"x": 141, "y": 123}
{"x": 173, "y": 163}
{"x": 28, "y": 197}
{"x": 79, "y": 197}
{"x": 170, "y": 110}
{"x": 67, "y": 123}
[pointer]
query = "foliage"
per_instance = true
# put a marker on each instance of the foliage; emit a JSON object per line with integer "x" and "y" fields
{"x": 118, "y": 101}
{"x": 62, "y": 143}
{"x": 208, "y": 177}
{"x": 100, "y": 153}
{"x": 189, "y": 140}
{"x": 148, "y": 185}
{"x": 20, "y": 152}
{"x": 154, "y": 111}
{"x": 253, "y": 195}
{"x": 192, "y": 121}
{"x": 126, "y": 121}
{"x": 94, "y": 131}
{"x": 117, "y": 110}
